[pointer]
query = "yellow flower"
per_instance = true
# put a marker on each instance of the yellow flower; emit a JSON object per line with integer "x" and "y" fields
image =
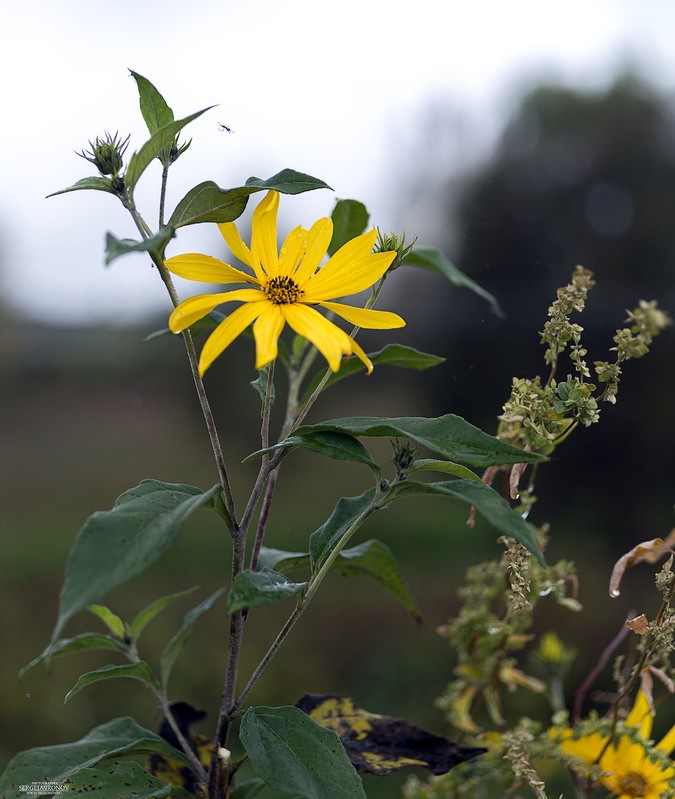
{"x": 287, "y": 286}
{"x": 627, "y": 770}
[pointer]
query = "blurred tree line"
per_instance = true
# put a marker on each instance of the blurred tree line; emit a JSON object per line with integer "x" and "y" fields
{"x": 576, "y": 178}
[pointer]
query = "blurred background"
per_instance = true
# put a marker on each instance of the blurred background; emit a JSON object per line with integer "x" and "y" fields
{"x": 519, "y": 139}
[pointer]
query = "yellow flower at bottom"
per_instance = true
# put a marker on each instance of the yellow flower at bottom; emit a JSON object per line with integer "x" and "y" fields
{"x": 286, "y": 285}
{"x": 627, "y": 769}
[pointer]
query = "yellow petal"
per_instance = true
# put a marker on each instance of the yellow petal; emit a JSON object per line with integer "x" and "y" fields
{"x": 194, "y": 308}
{"x": 353, "y": 268}
{"x": 365, "y": 317}
{"x": 331, "y": 342}
{"x": 318, "y": 239}
{"x": 227, "y": 331}
{"x": 266, "y": 331}
{"x": 235, "y": 243}
{"x": 264, "y": 234}
{"x": 640, "y": 716}
{"x": 587, "y": 748}
{"x": 193, "y": 266}
{"x": 292, "y": 250}
{"x": 667, "y": 743}
{"x": 361, "y": 355}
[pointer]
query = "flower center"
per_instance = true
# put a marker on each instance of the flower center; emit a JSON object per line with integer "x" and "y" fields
{"x": 633, "y": 784}
{"x": 282, "y": 290}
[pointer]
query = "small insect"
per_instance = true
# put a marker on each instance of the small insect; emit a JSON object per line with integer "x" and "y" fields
{"x": 225, "y": 128}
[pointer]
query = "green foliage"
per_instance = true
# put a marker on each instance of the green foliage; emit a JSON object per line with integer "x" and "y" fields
{"x": 254, "y": 589}
{"x": 350, "y": 218}
{"x": 155, "y": 245}
{"x": 137, "y": 671}
{"x": 294, "y": 754}
{"x": 449, "y": 436}
{"x": 433, "y": 259}
{"x": 116, "y": 545}
{"x": 112, "y": 781}
{"x": 53, "y": 764}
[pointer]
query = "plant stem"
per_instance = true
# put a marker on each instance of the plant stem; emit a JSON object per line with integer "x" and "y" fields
{"x": 194, "y": 368}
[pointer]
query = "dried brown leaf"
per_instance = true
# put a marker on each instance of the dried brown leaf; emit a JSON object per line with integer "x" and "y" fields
{"x": 638, "y": 625}
{"x": 646, "y": 552}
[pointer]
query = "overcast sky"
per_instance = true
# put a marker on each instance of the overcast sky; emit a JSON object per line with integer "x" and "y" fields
{"x": 333, "y": 89}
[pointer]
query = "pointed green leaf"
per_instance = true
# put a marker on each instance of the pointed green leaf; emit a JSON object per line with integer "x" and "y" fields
{"x": 338, "y": 446}
{"x": 390, "y": 355}
{"x": 116, "y": 738}
{"x": 282, "y": 561}
{"x": 449, "y": 436}
{"x": 156, "y": 112}
{"x": 375, "y": 560}
{"x": 292, "y": 753}
{"x": 137, "y": 671}
{"x": 489, "y": 504}
{"x": 259, "y": 385}
{"x": 154, "y": 244}
{"x": 347, "y": 512}
{"x": 288, "y": 181}
{"x": 163, "y": 137}
{"x": 116, "y": 780}
{"x": 76, "y": 644}
{"x": 153, "y": 609}
{"x": 178, "y": 641}
{"x": 432, "y": 465}
{"x": 350, "y": 218}
{"x": 254, "y": 589}
{"x": 207, "y": 202}
{"x": 434, "y": 260}
{"x": 116, "y": 545}
{"x": 110, "y": 619}
{"x": 97, "y": 183}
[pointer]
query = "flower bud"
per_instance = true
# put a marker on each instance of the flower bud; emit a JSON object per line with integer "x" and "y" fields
{"x": 106, "y": 154}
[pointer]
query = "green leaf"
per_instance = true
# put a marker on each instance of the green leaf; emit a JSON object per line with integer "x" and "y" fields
{"x": 259, "y": 385}
{"x": 154, "y": 244}
{"x": 207, "y": 202}
{"x": 97, "y": 183}
{"x": 288, "y": 181}
{"x": 76, "y": 644}
{"x": 115, "y": 780}
{"x": 163, "y": 137}
{"x": 123, "y": 736}
{"x": 282, "y": 561}
{"x": 180, "y": 638}
{"x": 350, "y": 218}
{"x": 449, "y": 436}
{"x": 432, "y": 465}
{"x": 292, "y": 753}
{"x": 390, "y": 355}
{"x": 434, "y": 260}
{"x": 254, "y": 589}
{"x": 338, "y": 446}
{"x": 248, "y": 789}
{"x": 489, "y": 504}
{"x": 375, "y": 560}
{"x": 153, "y": 609}
{"x": 116, "y": 545}
{"x": 347, "y": 512}
{"x": 137, "y": 671}
{"x": 110, "y": 619}
{"x": 156, "y": 112}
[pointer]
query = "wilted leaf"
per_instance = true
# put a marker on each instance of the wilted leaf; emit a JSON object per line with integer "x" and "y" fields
{"x": 379, "y": 744}
{"x": 76, "y": 644}
{"x": 646, "y": 552}
{"x": 115, "y": 247}
{"x": 638, "y": 625}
